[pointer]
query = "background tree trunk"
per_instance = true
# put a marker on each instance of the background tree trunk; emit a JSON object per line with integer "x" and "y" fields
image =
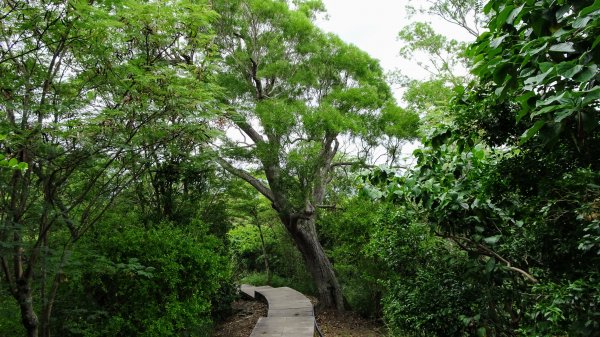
{"x": 264, "y": 249}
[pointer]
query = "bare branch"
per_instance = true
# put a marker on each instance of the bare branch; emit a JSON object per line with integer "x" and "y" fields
{"x": 483, "y": 250}
{"x": 241, "y": 123}
{"x": 257, "y": 184}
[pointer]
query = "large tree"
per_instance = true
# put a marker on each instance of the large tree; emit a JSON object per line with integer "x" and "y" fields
{"x": 85, "y": 88}
{"x": 296, "y": 95}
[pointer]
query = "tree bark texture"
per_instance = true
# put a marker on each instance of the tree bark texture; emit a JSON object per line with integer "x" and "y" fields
{"x": 28, "y": 317}
{"x": 301, "y": 227}
{"x": 303, "y": 232}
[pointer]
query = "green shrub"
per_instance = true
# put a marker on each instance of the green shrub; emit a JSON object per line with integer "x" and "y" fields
{"x": 285, "y": 262}
{"x": 570, "y": 306}
{"x": 303, "y": 285}
{"x": 10, "y": 315}
{"x": 347, "y": 234}
{"x": 158, "y": 282}
{"x": 260, "y": 279}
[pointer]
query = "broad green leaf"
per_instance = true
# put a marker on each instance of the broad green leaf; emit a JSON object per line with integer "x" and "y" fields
{"x": 592, "y": 8}
{"x": 498, "y": 41}
{"x": 565, "y": 47}
{"x": 513, "y": 15}
{"x": 492, "y": 240}
{"x": 591, "y": 95}
{"x": 563, "y": 12}
{"x": 524, "y": 102}
{"x": 490, "y": 265}
{"x": 570, "y": 73}
{"x": 504, "y": 14}
{"x": 596, "y": 42}
{"x": 581, "y": 22}
{"x": 539, "y": 78}
{"x": 563, "y": 114}
{"x": 545, "y": 66}
{"x": 545, "y": 110}
{"x": 552, "y": 99}
{"x": 587, "y": 74}
{"x": 535, "y": 51}
{"x": 532, "y": 131}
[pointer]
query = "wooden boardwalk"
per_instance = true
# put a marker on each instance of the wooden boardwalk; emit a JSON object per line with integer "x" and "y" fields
{"x": 290, "y": 313}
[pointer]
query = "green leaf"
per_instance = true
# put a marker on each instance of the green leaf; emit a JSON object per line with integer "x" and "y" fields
{"x": 591, "y": 95}
{"x": 565, "y": 47}
{"x": 504, "y": 14}
{"x": 545, "y": 110}
{"x": 552, "y": 99}
{"x": 539, "y": 78}
{"x": 596, "y": 42}
{"x": 587, "y": 10}
{"x": 490, "y": 265}
{"x": 492, "y": 240}
{"x": 498, "y": 41}
{"x": 581, "y": 22}
{"x": 524, "y": 102}
{"x": 531, "y": 132}
{"x": 513, "y": 15}
{"x": 563, "y": 114}
{"x": 535, "y": 51}
{"x": 570, "y": 73}
{"x": 13, "y": 162}
{"x": 587, "y": 74}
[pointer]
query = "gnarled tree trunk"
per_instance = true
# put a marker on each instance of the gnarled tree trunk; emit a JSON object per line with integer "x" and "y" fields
{"x": 304, "y": 234}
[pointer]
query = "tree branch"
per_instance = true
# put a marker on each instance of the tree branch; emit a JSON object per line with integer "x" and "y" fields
{"x": 257, "y": 184}
{"x": 241, "y": 123}
{"x": 490, "y": 253}
{"x": 352, "y": 163}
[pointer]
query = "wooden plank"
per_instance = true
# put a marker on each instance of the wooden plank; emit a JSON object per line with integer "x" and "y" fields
{"x": 284, "y": 327}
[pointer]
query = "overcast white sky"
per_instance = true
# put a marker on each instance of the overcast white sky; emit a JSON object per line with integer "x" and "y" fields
{"x": 373, "y": 26}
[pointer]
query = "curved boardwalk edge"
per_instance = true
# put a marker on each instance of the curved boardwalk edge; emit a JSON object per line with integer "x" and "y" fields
{"x": 290, "y": 313}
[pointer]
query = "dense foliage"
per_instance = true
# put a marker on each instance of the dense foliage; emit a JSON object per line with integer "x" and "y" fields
{"x": 153, "y": 154}
{"x": 146, "y": 282}
{"x": 510, "y": 186}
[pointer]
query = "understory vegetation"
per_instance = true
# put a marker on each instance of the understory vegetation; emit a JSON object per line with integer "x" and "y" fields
{"x": 154, "y": 155}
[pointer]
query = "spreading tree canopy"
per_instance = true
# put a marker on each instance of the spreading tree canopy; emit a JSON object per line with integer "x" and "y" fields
{"x": 297, "y": 95}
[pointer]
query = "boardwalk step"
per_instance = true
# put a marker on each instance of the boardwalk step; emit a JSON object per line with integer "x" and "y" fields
{"x": 284, "y": 327}
{"x": 290, "y": 312}
{"x": 249, "y": 291}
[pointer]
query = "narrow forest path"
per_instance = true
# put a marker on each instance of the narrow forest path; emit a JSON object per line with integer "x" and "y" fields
{"x": 290, "y": 313}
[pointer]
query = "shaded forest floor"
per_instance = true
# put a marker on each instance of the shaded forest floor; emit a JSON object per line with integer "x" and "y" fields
{"x": 332, "y": 324}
